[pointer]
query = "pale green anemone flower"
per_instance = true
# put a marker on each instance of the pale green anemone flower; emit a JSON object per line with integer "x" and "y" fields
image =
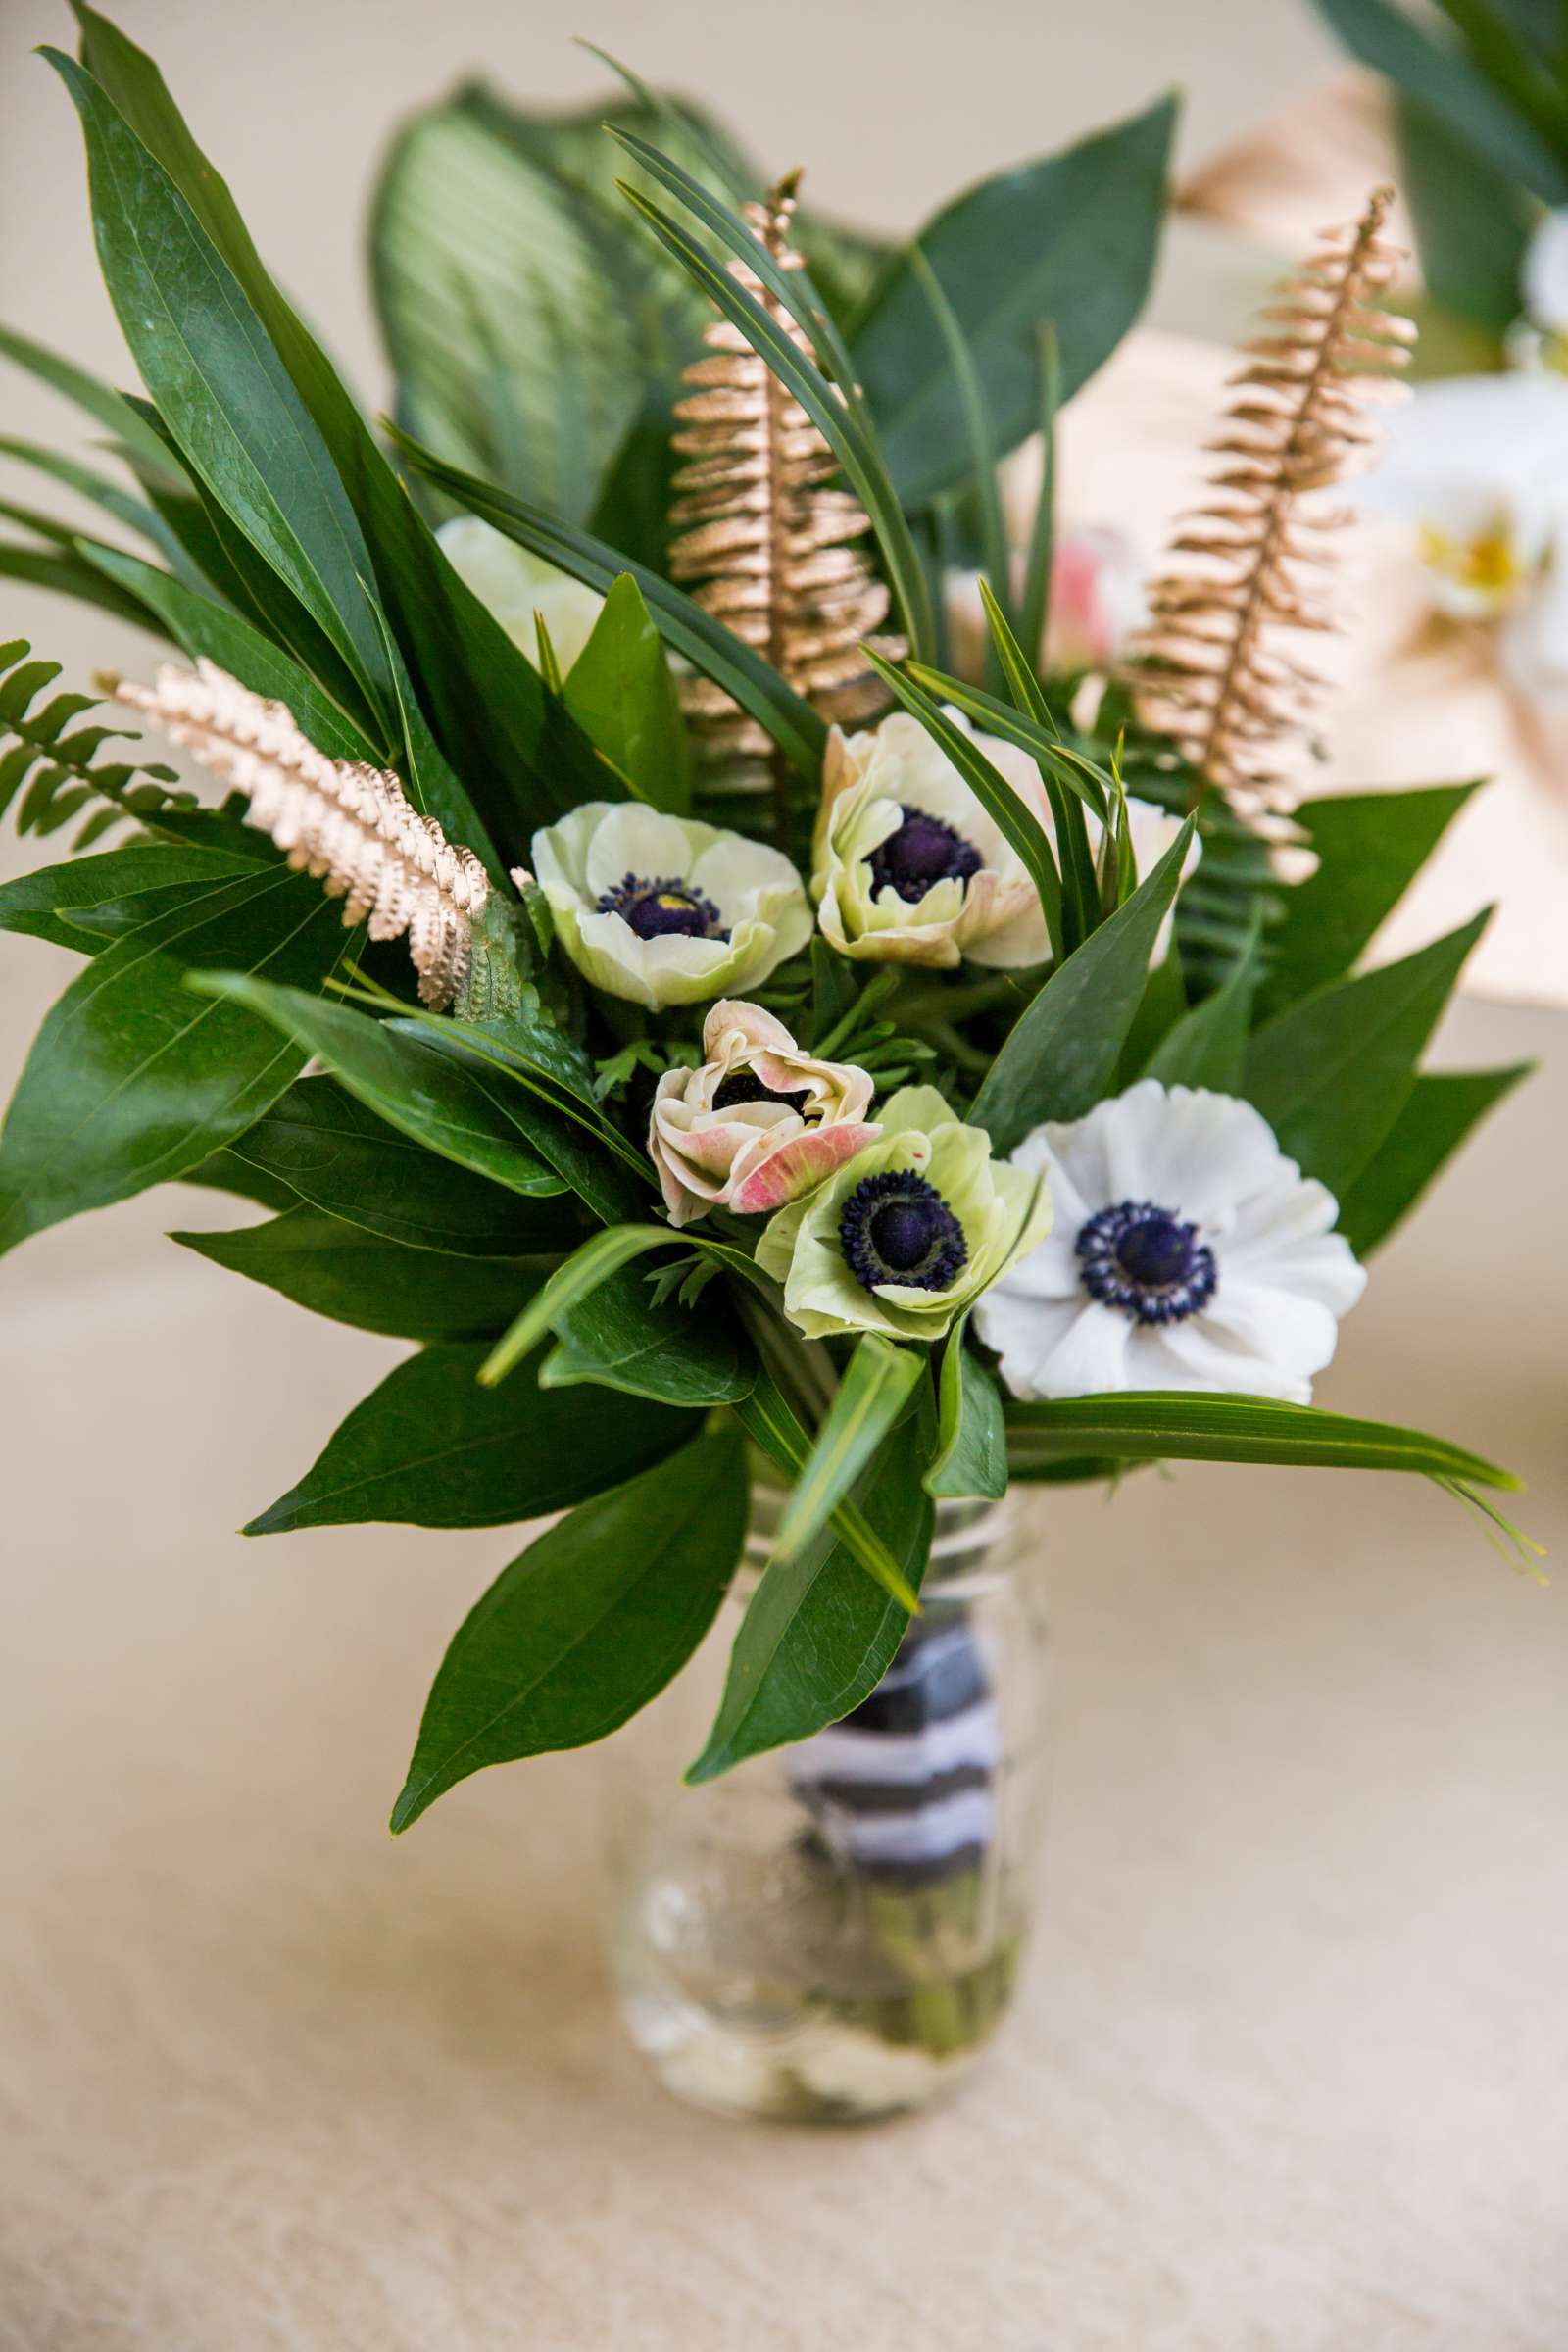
{"x": 909, "y": 1232}
{"x": 664, "y": 911}
{"x": 519, "y": 589}
{"x": 906, "y": 866}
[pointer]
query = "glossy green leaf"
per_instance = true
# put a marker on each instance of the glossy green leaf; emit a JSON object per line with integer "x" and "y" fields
{"x": 520, "y": 761}
{"x": 43, "y": 901}
{"x": 597, "y": 1258}
{"x": 680, "y": 621}
{"x": 1061, "y": 1056}
{"x": 404, "y": 1079}
{"x": 97, "y": 399}
{"x": 132, "y": 1079}
{"x": 1035, "y": 608}
{"x": 621, "y": 692}
{"x": 357, "y": 1277}
{"x": 971, "y": 1457}
{"x": 74, "y": 574}
{"x": 1071, "y": 238}
{"x": 621, "y": 1338}
{"x": 1451, "y": 87}
{"x": 324, "y": 1145}
{"x": 1332, "y": 1074}
{"x": 429, "y": 1447}
{"x": 1207, "y": 1046}
{"x": 817, "y": 1635}
{"x": 770, "y": 1422}
{"x": 876, "y": 1385}
{"x": 1194, "y": 1427}
{"x": 592, "y": 1621}
{"x": 1370, "y": 846}
{"x": 220, "y": 385}
{"x": 1441, "y": 1109}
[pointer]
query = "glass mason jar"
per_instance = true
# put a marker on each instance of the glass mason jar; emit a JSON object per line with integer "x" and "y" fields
{"x": 832, "y": 1932}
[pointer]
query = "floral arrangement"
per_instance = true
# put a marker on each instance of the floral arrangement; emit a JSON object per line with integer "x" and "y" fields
{"x": 631, "y": 959}
{"x": 1475, "y": 464}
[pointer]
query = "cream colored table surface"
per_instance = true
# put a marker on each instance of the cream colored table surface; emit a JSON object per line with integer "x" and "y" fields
{"x": 1292, "y": 2066}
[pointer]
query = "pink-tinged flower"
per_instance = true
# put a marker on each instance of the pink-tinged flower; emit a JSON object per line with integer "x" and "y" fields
{"x": 758, "y": 1124}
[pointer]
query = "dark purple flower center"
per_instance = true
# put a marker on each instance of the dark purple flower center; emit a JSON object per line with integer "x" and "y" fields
{"x": 923, "y": 851}
{"x": 745, "y": 1085}
{"x": 1147, "y": 1261}
{"x": 663, "y": 908}
{"x": 897, "y": 1228}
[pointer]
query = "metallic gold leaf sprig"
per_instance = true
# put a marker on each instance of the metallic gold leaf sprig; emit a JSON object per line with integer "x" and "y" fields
{"x": 348, "y": 823}
{"x": 1208, "y": 671}
{"x": 771, "y": 547}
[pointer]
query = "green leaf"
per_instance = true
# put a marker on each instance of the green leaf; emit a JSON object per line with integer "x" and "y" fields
{"x": 1035, "y": 611}
{"x": 592, "y": 1621}
{"x": 221, "y": 386}
{"x": 42, "y": 903}
{"x": 1007, "y": 811}
{"x": 1449, "y": 87}
{"x": 1071, "y": 238}
{"x": 769, "y": 1421}
{"x": 602, "y": 1256}
{"x": 429, "y": 1447}
{"x": 520, "y": 759}
{"x": 73, "y": 574}
{"x": 357, "y": 1277}
{"x": 1332, "y": 1073}
{"x": 680, "y": 621}
{"x": 1370, "y": 846}
{"x": 1437, "y": 1116}
{"x": 320, "y": 1143}
{"x": 1207, "y": 1046}
{"x": 1039, "y": 737}
{"x": 1137, "y": 1426}
{"x": 405, "y": 1079}
{"x": 132, "y": 1079}
{"x": 983, "y": 484}
{"x": 971, "y": 1437}
{"x": 875, "y": 1387}
{"x": 1064, "y": 1046}
{"x": 1471, "y": 221}
{"x": 618, "y": 1338}
{"x": 818, "y": 1636}
{"x": 621, "y": 692}
{"x": 96, "y": 398}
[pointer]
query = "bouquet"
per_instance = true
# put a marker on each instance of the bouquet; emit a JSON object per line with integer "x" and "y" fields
{"x": 631, "y": 956}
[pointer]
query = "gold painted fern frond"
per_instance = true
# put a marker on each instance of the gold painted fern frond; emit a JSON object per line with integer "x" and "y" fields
{"x": 769, "y": 545}
{"x": 1209, "y": 671}
{"x": 346, "y": 822}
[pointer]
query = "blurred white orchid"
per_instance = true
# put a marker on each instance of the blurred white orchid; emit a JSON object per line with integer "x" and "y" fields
{"x": 1477, "y": 467}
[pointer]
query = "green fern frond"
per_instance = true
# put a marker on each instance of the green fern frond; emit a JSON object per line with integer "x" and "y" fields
{"x": 51, "y": 775}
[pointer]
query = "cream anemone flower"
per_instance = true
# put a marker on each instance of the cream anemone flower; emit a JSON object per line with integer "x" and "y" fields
{"x": 759, "y": 1123}
{"x": 664, "y": 911}
{"x": 910, "y": 868}
{"x": 1187, "y": 1253}
{"x": 520, "y": 589}
{"x": 909, "y": 1232}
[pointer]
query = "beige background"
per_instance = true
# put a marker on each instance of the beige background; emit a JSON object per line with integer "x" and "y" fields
{"x": 1292, "y": 2069}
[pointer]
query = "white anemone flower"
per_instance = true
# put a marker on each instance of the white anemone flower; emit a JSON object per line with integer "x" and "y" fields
{"x": 520, "y": 589}
{"x": 664, "y": 911}
{"x": 1187, "y": 1253}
